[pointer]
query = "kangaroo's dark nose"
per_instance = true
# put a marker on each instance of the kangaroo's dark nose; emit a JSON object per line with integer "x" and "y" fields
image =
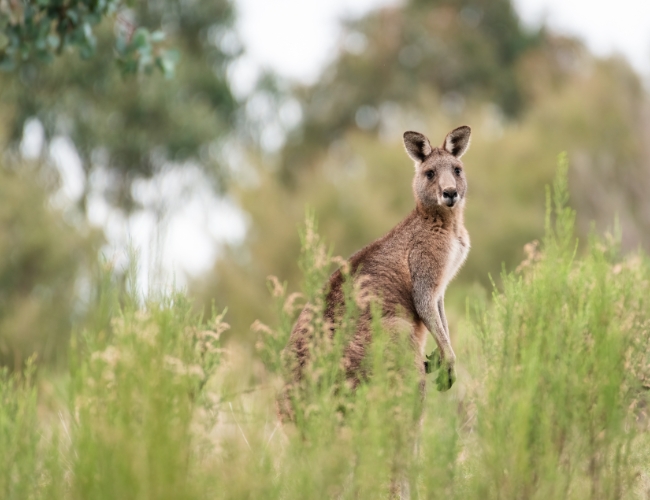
{"x": 450, "y": 196}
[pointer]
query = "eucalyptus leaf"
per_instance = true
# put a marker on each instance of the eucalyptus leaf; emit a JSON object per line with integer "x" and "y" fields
{"x": 140, "y": 38}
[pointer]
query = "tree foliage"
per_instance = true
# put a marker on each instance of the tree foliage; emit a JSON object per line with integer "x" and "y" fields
{"x": 39, "y": 30}
{"x": 124, "y": 129}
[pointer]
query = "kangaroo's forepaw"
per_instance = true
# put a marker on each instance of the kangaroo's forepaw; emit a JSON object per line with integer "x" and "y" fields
{"x": 433, "y": 361}
{"x": 446, "y": 378}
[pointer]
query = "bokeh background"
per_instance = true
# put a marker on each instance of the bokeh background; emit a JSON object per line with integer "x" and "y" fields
{"x": 201, "y": 180}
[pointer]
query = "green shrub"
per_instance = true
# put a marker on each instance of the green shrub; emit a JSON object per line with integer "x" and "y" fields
{"x": 566, "y": 361}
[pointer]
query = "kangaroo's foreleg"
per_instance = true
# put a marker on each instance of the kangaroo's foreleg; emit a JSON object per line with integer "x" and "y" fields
{"x": 441, "y": 312}
{"x": 431, "y": 311}
{"x": 447, "y": 374}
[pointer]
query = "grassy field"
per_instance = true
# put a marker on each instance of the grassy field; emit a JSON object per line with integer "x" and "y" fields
{"x": 551, "y": 399}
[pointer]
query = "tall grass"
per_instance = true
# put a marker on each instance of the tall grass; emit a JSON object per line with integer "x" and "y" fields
{"x": 551, "y": 399}
{"x": 562, "y": 410}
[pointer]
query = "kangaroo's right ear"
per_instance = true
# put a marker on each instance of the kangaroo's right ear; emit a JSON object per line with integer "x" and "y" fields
{"x": 417, "y": 146}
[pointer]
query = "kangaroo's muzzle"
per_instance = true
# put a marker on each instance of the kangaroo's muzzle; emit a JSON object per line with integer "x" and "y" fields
{"x": 450, "y": 197}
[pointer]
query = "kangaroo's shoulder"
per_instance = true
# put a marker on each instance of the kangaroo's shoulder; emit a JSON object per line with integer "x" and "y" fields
{"x": 384, "y": 261}
{"x": 390, "y": 245}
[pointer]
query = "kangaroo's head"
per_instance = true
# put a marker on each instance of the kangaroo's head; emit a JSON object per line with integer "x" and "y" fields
{"x": 439, "y": 177}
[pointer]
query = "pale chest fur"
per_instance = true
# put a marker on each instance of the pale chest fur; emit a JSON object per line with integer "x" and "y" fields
{"x": 456, "y": 255}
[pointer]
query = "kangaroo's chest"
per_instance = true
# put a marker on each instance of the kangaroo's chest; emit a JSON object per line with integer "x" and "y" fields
{"x": 456, "y": 255}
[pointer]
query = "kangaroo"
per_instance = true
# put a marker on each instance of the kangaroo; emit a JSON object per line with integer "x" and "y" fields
{"x": 409, "y": 268}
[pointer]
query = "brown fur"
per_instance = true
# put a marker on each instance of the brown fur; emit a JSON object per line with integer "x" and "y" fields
{"x": 409, "y": 268}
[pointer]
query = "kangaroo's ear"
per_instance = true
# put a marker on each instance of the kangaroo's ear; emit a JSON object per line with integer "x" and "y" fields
{"x": 417, "y": 146}
{"x": 457, "y": 141}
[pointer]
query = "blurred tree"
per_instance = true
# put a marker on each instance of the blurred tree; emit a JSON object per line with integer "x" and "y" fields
{"x": 44, "y": 264}
{"x": 461, "y": 49}
{"x": 121, "y": 130}
{"x": 126, "y": 129}
{"x": 38, "y": 30}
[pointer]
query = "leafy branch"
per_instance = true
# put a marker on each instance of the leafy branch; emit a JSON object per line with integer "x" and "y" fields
{"x": 39, "y": 30}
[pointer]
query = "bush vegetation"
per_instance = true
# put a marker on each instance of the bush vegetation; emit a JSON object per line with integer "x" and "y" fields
{"x": 43, "y": 262}
{"x": 551, "y": 399}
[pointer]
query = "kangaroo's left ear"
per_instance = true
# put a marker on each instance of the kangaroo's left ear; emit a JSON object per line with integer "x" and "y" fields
{"x": 457, "y": 141}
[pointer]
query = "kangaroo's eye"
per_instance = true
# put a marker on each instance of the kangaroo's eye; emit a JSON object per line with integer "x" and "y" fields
{"x": 457, "y": 170}
{"x": 429, "y": 174}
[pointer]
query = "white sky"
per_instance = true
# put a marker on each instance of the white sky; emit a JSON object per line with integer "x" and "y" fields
{"x": 295, "y": 37}
{"x": 606, "y": 25}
